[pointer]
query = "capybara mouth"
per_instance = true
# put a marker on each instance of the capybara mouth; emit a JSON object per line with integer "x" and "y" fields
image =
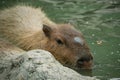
{"x": 85, "y": 65}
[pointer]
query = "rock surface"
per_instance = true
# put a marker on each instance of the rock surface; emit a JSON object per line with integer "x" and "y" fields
{"x": 35, "y": 65}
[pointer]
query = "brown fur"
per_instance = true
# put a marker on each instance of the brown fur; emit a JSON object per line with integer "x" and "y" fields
{"x": 8, "y": 48}
{"x": 29, "y": 28}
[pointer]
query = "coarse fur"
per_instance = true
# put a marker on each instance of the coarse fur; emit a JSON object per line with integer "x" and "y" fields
{"x": 28, "y": 28}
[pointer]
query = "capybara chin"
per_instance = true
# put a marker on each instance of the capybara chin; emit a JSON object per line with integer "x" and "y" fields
{"x": 28, "y": 28}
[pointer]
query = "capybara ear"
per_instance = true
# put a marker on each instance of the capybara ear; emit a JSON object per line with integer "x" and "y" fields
{"x": 47, "y": 30}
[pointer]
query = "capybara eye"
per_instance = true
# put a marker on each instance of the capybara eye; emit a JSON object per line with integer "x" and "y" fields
{"x": 59, "y": 41}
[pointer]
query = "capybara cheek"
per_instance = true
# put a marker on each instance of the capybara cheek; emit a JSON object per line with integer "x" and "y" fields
{"x": 64, "y": 56}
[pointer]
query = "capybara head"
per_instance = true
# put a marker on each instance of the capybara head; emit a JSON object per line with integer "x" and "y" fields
{"x": 68, "y": 46}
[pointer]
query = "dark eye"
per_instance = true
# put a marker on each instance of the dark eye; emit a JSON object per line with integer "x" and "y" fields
{"x": 59, "y": 41}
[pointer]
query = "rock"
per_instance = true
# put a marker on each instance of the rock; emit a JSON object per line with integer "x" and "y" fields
{"x": 35, "y": 65}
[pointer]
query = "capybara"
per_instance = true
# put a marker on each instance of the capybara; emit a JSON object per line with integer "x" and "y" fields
{"x": 29, "y": 28}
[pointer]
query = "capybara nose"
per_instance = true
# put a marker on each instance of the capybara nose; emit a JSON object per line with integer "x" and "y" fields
{"x": 85, "y": 62}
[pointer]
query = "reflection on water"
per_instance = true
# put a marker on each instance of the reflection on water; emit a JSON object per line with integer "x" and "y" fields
{"x": 98, "y": 20}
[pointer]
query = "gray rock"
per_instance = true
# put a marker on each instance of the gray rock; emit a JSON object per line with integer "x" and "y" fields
{"x": 36, "y": 65}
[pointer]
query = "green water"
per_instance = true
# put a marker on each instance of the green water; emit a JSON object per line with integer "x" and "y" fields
{"x": 98, "y": 20}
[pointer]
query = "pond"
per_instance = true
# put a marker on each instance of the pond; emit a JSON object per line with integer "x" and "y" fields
{"x": 98, "y": 20}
